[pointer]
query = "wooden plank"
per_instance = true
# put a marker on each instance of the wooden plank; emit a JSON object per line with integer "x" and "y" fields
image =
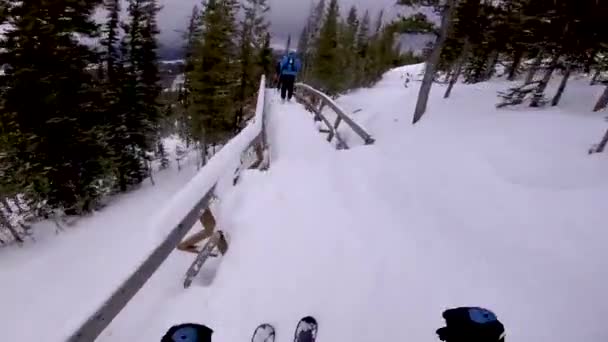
{"x": 329, "y": 102}
{"x": 332, "y": 132}
{"x": 190, "y": 243}
{"x": 216, "y": 240}
{"x": 309, "y": 105}
{"x": 93, "y": 327}
{"x": 337, "y": 123}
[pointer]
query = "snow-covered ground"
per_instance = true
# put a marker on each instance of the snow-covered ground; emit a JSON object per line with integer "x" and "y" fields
{"x": 48, "y": 286}
{"x": 472, "y": 206}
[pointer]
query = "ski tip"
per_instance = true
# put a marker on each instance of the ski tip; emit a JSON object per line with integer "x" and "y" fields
{"x": 309, "y": 320}
{"x": 306, "y": 330}
{"x": 264, "y": 333}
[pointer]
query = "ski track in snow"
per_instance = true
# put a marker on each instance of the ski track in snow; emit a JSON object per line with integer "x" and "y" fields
{"x": 472, "y": 206}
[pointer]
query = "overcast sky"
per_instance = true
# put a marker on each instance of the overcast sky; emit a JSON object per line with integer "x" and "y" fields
{"x": 286, "y": 17}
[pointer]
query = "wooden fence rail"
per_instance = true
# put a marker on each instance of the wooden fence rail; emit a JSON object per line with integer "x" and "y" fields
{"x": 252, "y": 137}
{"x": 315, "y": 100}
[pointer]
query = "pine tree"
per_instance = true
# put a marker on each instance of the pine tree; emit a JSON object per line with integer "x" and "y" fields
{"x": 148, "y": 66}
{"x": 116, "y": 110}
{"x": 348, "y": 44}
{"x": 346, "y": 54}
{"x": 310, "y": 43}
{"x": 140, "y": 91}
{"x": 193, "y": 41}
{"x": 192, "y": 36}
{"x": 305, "y": 45}
{"x": 379, "y": 23}
{"x": 303, "y": 40}
{"x": 363, "y": 46}
{"x": 377, "y": 51}
{"x": 254, "y": 57}
{"x": 316, "y": 20}
{"x": 265, "y": 60}
{"x": 51, "y": 103}
{"x": 327, "y": 71}
{"x": 111, "y": 40}
{"x": 214, "y": 79}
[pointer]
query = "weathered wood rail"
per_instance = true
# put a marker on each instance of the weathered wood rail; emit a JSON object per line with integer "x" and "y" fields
{"x": 315, "y": 100}
{"x": 249, "y": 148}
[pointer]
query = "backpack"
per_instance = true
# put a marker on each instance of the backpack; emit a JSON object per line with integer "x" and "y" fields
{"x": 291, "y": 64}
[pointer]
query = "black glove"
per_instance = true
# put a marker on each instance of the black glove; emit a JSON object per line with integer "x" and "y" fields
{"x": 188, "y": 332}
{"x": 468, "y": 324}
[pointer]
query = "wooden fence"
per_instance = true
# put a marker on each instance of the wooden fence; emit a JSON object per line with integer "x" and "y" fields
{"x": 315, "y": 100}
{"x": 251, "y": 141}
{"x": 192, "y": 203}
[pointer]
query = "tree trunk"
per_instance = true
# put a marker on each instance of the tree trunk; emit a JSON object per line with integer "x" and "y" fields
{"x": 7, "y": 224}
{"x": 562, "y": 85}
{"x": 540, "y": 90}
{"x": 595, "y": 77}
{"x": 534, "y": 68}
{"x": 150, "y": 171}
{"x": 602, "y": 145}
{"x": 590, "y": 60}
{"x": 517, "y": 57}
{"x": 447, "y": 77}
{"x": 458, "y": 70}
{"x": 204, "y": 153}
{"x": 491, "y": 65}
{"x": 431, "y": 64}
{"x": 6, "y": 205}
{"x": 17, "y": 203}
{"x": 602, "y": 102}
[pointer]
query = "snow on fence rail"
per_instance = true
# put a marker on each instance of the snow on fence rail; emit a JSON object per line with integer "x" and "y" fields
{"x": 316, "y": 96}
{"x": 182, "y": 212}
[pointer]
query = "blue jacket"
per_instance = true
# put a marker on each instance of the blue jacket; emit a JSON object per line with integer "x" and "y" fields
{"x": 286, "y": 68}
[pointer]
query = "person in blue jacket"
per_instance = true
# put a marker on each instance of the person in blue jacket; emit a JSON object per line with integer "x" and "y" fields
{"x": 290, "y": 66}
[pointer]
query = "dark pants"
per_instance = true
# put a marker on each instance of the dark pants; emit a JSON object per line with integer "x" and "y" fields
{"x": 278, "y": 82}
{"x": 287, "y": 83}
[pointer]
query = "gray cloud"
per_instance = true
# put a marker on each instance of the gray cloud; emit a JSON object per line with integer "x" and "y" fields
{"x": 286, "y": 17}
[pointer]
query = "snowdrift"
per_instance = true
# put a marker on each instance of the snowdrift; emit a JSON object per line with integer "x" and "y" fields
{"x": 473, "y": 206}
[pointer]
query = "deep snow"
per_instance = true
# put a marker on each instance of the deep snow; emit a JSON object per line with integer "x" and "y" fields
{"x": 472, "y": 206}
{"x": 49, "y": 286}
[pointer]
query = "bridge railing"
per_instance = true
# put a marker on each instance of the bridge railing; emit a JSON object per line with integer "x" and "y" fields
{"x": 184, "y": 210}
{"x": 315, "y": 100}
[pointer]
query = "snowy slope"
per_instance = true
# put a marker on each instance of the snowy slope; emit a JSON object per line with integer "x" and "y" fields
{"x": 49, "y": 286}
{"x": 473, "y": 206}
{"x": 510, "y": 203}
